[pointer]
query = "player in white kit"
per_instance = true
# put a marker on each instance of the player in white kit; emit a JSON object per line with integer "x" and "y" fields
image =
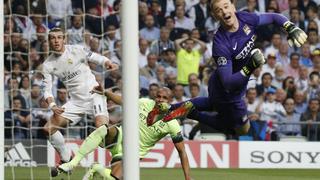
{"x": 70, "y": 64}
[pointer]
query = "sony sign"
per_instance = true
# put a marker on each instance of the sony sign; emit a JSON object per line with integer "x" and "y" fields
{"x": 279, "y": 155}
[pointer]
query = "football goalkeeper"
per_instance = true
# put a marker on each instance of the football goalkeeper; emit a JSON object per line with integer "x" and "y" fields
{"x": 111, "y": 138}
{"x": 236, "y": 59}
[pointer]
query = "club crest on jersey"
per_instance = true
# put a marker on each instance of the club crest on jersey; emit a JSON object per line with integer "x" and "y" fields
{"x": 246, "y": 29}
{"x": 222, "y": 61}
{"x": 69, "y": 61}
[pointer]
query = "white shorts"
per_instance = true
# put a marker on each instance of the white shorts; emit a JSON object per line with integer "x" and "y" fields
{"x": 75, "y": 111}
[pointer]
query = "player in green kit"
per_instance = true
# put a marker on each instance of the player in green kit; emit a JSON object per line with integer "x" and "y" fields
{"x": 149, "y": 136}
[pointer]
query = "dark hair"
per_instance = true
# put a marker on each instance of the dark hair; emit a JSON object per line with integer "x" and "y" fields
{"x": 294, "y": 54}
{"x": 266, "y": 74}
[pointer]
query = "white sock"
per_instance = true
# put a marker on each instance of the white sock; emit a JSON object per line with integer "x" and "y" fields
{"x": 57, "y": 141}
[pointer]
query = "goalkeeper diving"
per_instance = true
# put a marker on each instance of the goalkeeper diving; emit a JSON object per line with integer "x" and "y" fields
{"x": 111, "y": 137}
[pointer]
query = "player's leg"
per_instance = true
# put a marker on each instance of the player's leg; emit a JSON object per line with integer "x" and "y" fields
{"x": 96, "y": 138}
{"x": 100, "y": 111}
{"x": 56, "y": 138}
{"x": 195, "y": 104}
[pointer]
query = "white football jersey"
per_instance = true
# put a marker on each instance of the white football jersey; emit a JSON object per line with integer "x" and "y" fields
{"x": 73, "y": 70}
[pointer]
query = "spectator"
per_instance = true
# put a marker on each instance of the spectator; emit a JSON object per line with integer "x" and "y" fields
{"x": 274, "y": 46}
{"x": 115, "y": 18}
{"x": 252, "y": 100}
{"x": 305, "y": 59}
{"x": 293, "y": 68}
{"x": 295, "y": 17}
{"x": 24, "y": 88}
{"x": 75, "y": 33}
{"x": 143, "y": 12}
{"x": 315, "y": 57}
{"x": 35, "y": 96}
{"x": 254, "y": 78}
{"x": 111, "y": 36}
{"x": 269, "y": 111}
{"x": 17, "y": 119}
{"x": 312, "y": 15}
{"x": 285, "y": 127}
{"x": 292, "y": 5}
{"x": 156, "y": 13}
{"x": 283, "y": 54}
{"x": 143, "y": 52}
{"x": 161, "y": 75}
{"x": 313, "y": 39}
{"x": 302, "y": 81}
{"x": 265, "y": 85}
{"x": 303, "y": 5}
{"x": 169, "y": 61}
{"x": 251, "y": 7}
{"x": 194, "y": 90}
{"x": 300, "y": 102}
{"x": 188, "y": 59}
{"x": 149, "y": 70}
{"x": 270, "y": 66}
{"x": 199, "y": 13}
{"x": 181, "y": 21}
{"x": 178, "y": 94}
{"x": 58, "y": 9}
{"x": 116, "y": 56}
{"x": 289, "y": 86}
{"x": 175, "y": 33}
{"x": 193, "y": 79}
{"x": 310, "y": 130}
{"x": 153, "y": 88}
{"x": 171, "y": 81}
{"x": 279, "y": 76}
{"x": 313, "y": 90}
{"x": 281, "y": 95}
{"x": 62, "y": 96}
{"x": 162, "y": 44}
{"x": 150, "y": 32}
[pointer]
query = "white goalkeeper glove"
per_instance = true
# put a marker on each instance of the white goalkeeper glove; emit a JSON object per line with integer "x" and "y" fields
{"x": 296, "y": 36}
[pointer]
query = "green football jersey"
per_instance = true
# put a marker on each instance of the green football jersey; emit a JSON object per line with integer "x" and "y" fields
{"x": 150, "y": 135}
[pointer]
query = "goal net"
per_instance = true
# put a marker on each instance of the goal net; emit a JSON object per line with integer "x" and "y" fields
{"x": 92, "y": 24}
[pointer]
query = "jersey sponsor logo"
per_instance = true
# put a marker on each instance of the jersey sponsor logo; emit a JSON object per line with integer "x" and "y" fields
{"x": 222, "y": 61}
{"x": 246, "y": 50}
{"x": 246, "y": 29}
{"x": 18, "y": 156}
{"x": 70, "y": 75}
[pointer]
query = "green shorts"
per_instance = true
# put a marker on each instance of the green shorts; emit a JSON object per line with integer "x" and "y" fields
{"x": 116, "y": 149}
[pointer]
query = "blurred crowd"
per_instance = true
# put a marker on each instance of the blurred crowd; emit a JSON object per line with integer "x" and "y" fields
{"x": 174, "y": 51}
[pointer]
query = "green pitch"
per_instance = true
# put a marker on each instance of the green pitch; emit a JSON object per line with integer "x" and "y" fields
{"x": 42, "y": 173}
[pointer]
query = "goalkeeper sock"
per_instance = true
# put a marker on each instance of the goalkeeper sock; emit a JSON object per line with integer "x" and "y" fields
{"x": 90, "y": 144}
{"x": 57, "y": 141}
{"x": 104, "y": 172}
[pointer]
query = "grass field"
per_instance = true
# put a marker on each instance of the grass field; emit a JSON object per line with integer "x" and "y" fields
{"x": 41, "y": 173}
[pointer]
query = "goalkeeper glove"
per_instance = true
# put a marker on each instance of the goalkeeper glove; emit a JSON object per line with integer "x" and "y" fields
{"x": 255, "y": 61}
{"x": 296, "y": 36}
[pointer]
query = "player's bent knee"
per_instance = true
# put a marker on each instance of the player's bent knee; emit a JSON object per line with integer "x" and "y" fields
{"x": 101, "y": 120}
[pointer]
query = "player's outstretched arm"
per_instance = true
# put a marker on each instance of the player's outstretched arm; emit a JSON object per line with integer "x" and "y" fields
{"x": 184, "y": 159}
{"x": 110, "y": 95}
{"x": 296, "y": 36}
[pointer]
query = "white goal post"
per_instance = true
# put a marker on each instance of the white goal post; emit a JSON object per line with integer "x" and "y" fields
{"x": 130, "y": 35}
{"x": 1, "y": 94}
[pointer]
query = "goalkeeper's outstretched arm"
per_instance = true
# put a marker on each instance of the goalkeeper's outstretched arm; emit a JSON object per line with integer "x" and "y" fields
{"x": 296, "y": 36}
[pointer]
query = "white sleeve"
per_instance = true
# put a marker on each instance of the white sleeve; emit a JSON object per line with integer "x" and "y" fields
{"x": 47, "y": 82}
{"x": 95, "y": 57}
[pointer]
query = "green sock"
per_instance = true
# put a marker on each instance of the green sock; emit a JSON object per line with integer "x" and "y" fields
{"x": 104, "y": 172}
{"x": 90, "y": 144}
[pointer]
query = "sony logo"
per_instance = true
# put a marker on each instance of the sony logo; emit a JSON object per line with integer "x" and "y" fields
{"x": 276, "y": 157}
